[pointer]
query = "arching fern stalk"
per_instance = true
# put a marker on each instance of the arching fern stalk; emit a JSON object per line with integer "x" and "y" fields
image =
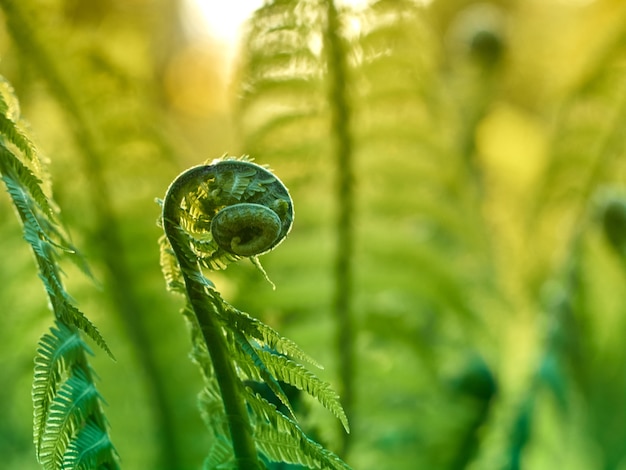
{"x": 70, "y": 430}
{"x": 212, "y": 215}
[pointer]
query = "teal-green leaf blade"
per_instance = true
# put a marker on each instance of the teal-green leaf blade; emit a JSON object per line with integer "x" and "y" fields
{"x": 249, "y": 360}
{"x": 92, "y": 448}
{"x": 13, "y": 134}
{"x": 75, "y": 401}
{"x": 265, "y": 334}
{"x": 288, "y": 371}
{"x": 281, "y": 439}
{"x": 59, "y": 347}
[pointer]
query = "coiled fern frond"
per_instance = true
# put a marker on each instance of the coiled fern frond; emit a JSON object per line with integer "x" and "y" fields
{"x": 214, "y": 214}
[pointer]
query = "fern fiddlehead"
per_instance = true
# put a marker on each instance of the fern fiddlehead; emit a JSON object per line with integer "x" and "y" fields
{"x": 246, "y": 208}
{"x": 214, "y": 214}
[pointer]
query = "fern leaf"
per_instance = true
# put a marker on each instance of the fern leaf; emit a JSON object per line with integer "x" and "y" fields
{"x": 9, "y": 106}
{"x": 220, "y": 456}
{"x": 171, "y": 271}
{"x": 282, "y": 447}
{"x": 37, "y": 237}
{"x": 212, "y": 409}
{"x": 75, "y": 401}
{"x": 297, "y": 375}
{"x": 281, "y": 108}
{"x": 12, "y": 168}
{"x": 59, "y": 347}
{"x": 281, "y": 439}
{"x": 14, "y": 135}
{"x": 266, "y": 335}
{"x": 257, "y": 370}
{"x": 234, "y": 184}
{"x": 73, "y": 316}
{"x": 64, "y": 395}
{"x": 92, "y": 448}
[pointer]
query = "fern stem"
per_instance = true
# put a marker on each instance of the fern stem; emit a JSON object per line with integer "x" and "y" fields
{"x": 207, "y": 315}
{"x": 338, "y": 97}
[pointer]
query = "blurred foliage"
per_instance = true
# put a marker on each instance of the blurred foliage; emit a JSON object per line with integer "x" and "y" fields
{"x": 489, "y": 172}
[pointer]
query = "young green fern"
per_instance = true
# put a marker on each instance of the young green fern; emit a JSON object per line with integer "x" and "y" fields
{"x": 212, "y": 215}
{"x": 70, "y": 430}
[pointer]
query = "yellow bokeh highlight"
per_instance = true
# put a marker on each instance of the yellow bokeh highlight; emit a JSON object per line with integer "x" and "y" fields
{"x": 513, "y": 147}
{"x": 193, "y": 84}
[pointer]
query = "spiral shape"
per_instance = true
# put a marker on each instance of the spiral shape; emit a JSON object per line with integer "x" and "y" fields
{"x": 246, "y": 229}
{"x": 229, "y": 209}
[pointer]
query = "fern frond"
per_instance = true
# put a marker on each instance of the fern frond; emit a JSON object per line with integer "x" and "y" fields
{"x": 171, "y": 271}
{"x": 297, "y": 375}
{"x": 281, "y": 439}
{"x": 265, "y": 334}
{"x": 233, "y": 184}
{"x": 9, "y": 105}
{"x": 41, "y": 232}
{"x": 282, "y": 447}
{"x": 262, "y": 364}
{"x": 249, "y": 361}
{"x": 57, "y": 349}
{"x": 92, "y": 448}
{"x": 12, "y": 134}
{"x": 73, "y": 316}
{"x": 212, "y": 409}
{"x": 220, "y": 456}
{"x": 221, "y": 333}
{"x": 282, "y": 101}
{"x": 76, "y": 400}
{"x": 21, "y": 185}
{"x": 28, "y": 183}
{"x": 67, "y": 414}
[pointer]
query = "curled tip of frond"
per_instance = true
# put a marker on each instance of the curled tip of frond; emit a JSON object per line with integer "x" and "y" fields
{"x": 227, "y": 210}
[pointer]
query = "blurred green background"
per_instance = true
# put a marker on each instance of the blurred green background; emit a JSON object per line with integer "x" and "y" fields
{"x": 488, "y": 273}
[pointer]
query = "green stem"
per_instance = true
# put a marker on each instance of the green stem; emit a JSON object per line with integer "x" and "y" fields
{"x": 206, "y": 308}
{"x": 338, "y": 96}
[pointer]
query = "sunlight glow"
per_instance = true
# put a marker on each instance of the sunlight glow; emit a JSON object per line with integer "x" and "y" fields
{"x": 223, "y": 20}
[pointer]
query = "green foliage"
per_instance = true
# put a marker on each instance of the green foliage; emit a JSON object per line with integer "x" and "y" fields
{"x": 460, "y": 235}
{"x": 486, "y": 265}
{"x": 230, "y": 347}
{"x": 70, "y": 430}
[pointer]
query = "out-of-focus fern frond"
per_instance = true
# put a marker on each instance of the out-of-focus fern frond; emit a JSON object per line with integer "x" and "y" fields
{"x": 417, "y": 212}
{"x": 281, "y": 106}
{"x": 587, "y": 145}
{"x": 220, "y": 457}
{"x": 402, "y": 131}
